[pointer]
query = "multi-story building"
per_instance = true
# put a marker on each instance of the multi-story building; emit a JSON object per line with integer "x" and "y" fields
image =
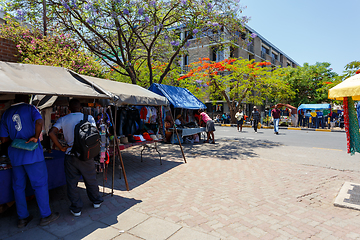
{"x": 260, "y": 49}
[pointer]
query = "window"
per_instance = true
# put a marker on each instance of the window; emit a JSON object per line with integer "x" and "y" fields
{"x": 274, "y": 56}
{"x": 187, "y": 33}
{"x": 185, "y": 60}
{"x": 243, "y": 35}
{"x": 264, "y": 50}
{"x": 217, "y": 55}
{"x": 233, "y": 52}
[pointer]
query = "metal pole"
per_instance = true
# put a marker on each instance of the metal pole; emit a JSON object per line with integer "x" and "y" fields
{"x": 114, "y": 152}
{"x": 172, "y": 119}
{"x": 118, "y": 148}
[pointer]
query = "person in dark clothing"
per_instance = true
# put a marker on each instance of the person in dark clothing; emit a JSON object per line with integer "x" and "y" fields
{"x": 256, "y": 118}
{"x": 275, "y": 113}
{"x": 74, "y": 167}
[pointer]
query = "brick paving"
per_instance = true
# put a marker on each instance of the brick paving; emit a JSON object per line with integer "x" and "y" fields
{"x": 224, "y": 190}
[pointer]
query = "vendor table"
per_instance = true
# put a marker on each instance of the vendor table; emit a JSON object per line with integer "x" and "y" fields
{"x": 190, "y": 131}
{"x": 146, "y": 146}
{"x": 183, "y": 132}
{"x": 56, "y": 177}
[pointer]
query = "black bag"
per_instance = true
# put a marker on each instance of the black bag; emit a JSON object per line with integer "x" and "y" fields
{"x": 86, "y": 140}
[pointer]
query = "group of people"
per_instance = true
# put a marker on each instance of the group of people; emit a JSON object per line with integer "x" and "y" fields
{"x": 24, "y": 121}
{"x": 224, "y": 118}
{"x": 255, "y": 115}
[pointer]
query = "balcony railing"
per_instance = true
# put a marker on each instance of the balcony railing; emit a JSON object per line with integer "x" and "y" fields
{"x": 263, "y": 55}
{"x": 251, "y": 48}
{"x": 213, "y": 38}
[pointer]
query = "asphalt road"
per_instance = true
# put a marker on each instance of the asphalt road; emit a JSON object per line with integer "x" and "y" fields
{"x": 325, "y": 149}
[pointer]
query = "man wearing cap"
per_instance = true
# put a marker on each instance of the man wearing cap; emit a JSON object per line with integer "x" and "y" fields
{"x": 275, "y": 114}
{"x": 256, "y": 118}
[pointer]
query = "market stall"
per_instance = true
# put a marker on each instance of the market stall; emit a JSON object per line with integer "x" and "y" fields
{"x": 313, "y": 115}
{"x": 184, "y": 107}
{"x": 348, "y": 91}
{"x": 124, "y": 97}
{"x": 44, "y": 80}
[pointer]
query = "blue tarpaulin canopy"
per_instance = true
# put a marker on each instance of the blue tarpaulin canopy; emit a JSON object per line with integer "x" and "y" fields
{"x": 177, "y": 96}
{"x": 314, "y": 106}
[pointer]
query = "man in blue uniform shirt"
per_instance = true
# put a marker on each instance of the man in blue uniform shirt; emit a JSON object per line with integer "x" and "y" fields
{"x": 23, "y": 121}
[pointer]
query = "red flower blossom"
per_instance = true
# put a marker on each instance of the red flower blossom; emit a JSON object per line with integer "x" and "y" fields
{"x": 358, "y": 71}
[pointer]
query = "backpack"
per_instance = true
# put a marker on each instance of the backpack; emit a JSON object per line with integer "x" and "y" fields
{"x": 86, "y": 140}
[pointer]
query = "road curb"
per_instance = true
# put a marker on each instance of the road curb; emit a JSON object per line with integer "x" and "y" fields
{"x": 286, "y": 128}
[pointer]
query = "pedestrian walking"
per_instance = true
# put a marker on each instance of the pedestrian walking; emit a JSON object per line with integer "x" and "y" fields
{"x": 75, "y": 167}
{"x": 23, "y": 121}
{"x": 275, "y": 114}
{"x": 256, "y": 118}
{"x": 240, "y": 120}
{"x": 210, "y": 126}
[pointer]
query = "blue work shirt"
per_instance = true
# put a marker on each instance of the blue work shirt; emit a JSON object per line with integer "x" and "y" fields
{"x": 18, "y": 122}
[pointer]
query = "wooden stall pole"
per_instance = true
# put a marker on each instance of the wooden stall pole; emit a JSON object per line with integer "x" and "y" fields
{"x": 119, "y": 153}
{"x": 177, "y": 134}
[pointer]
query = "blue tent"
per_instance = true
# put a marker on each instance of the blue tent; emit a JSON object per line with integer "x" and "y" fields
{"x": 314, "y": 106}
{"x": 177, "y": 96}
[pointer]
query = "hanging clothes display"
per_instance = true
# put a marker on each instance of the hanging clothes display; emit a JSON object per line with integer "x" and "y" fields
{"x": 351, "y": 126}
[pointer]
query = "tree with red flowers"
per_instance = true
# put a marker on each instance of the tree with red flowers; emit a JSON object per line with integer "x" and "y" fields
{"x": 235, "y": 81}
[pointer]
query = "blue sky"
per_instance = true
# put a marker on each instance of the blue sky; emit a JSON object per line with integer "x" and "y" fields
{"x": 309, "y": 30}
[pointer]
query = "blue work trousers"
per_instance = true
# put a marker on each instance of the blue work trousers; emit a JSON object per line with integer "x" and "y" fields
{"x": 37, "y": 173}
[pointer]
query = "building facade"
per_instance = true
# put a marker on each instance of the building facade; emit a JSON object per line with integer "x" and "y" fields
{"x": 260, "y": 49}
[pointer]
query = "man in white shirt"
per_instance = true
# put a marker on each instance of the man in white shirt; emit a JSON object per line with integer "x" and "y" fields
{"x": 240, "y": 119}
{"x": 74, "y": 167}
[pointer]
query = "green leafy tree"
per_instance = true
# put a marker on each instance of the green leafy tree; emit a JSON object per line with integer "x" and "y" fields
{"x": 55, "y": 50}
{"x": 124, "y": 32}
{"x": 310, "y": 83}
{"x": 236, "y": 81}
{"x": 143, "y": 74}
{"x": 351, "y": 69}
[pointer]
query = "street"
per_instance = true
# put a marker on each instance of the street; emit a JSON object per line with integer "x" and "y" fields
{"x": 325, "y": 149}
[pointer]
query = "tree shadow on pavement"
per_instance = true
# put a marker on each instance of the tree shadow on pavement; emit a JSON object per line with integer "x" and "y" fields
{"x": 224, "y": 149}
{"x": 66, "y": 224}
{"x": 138, "y": 172}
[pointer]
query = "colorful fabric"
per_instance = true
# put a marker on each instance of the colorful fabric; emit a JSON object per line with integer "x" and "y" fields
{"x": 351, "y": 126}
{"x": 205, "y": 117}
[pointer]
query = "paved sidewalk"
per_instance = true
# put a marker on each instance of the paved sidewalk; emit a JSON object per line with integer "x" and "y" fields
{"x": 223, "y": 192}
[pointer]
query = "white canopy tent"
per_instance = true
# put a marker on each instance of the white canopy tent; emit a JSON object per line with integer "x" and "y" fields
{"x": 127, "y": 94}
{"x": 17, "y": 78}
